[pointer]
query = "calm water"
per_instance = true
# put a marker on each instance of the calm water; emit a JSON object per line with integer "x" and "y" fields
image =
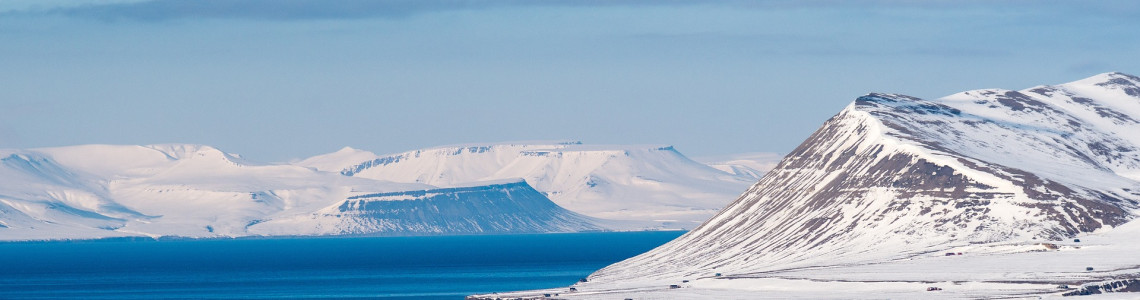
{"x": 445, "y": 267}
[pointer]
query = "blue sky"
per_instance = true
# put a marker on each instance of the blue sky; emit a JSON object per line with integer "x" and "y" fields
{"x": 277, "y": 80}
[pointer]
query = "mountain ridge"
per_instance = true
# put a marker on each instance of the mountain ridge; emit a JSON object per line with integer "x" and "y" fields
{"x": 935, "y": 147}
{"x": 891, "y": 182}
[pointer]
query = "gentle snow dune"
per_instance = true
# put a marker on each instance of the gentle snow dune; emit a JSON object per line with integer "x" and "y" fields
{"x": 869, "y": 205}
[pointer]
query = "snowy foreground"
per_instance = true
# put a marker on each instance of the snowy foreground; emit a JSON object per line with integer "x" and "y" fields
{"x": 1015, "y": 270}
{"x": 874, "y": 203}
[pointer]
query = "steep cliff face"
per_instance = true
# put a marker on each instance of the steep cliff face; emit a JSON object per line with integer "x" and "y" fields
{"x": 893, "y": 176}
{"x": 646, "y": 183}
{"x": 508, "y": 207}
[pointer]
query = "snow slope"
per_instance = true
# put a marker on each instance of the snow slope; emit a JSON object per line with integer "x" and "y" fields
{"x": 645, "y": 183}
{"x": 97, "y": 191}
{"x": 753, "y": 165}
{"x": 866, "y": 206}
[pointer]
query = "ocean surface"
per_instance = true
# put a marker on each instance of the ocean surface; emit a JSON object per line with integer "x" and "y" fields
{"x": 435, "y": 267}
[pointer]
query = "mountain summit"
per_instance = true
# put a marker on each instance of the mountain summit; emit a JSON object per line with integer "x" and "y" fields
{"x": 894, "y": 178}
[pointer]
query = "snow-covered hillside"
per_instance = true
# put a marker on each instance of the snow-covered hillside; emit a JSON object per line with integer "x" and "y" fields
{"x": 97, "y": 191}
{"x": 753, "y": 165}
{"x": 867, "y": 206}
{"x": 645, "y": 183}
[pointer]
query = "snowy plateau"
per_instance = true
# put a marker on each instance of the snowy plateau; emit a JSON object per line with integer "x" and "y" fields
{"x": 178, "y": 190}
{"x": 982, "y": 194}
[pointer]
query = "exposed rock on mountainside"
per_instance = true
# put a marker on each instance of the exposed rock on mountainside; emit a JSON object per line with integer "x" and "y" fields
{"x": 905, "y": 174}
{"x": 892, "y": 179}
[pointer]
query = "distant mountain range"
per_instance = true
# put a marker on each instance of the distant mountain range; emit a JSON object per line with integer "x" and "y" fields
{"x": 656, "y": 184}
{"x": 882, "y": 200}
{"x": 95, "y": 191}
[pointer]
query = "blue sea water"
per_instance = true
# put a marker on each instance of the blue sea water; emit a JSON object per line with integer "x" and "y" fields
{"x": 433, "y": 267}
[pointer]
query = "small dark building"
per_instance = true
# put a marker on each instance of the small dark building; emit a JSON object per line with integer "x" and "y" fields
{"x": 573, "y": 289}
{"x": 949, "y": 253}
{"x": 685, "y": 281}
{"x": 582, "y": 280}
{"x": 717, "y": 274}
{"x": 933, "y": 288}
{"x": 1076, "y": 240}
{"x": 1089, "y": 269}
{"x": 674, "y": 286}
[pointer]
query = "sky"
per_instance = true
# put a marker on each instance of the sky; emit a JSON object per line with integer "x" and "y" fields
{"x": 278, "y": 80}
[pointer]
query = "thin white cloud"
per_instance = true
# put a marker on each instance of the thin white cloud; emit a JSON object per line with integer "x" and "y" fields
{"x": 158, "y": 10}
{"x": 47, "y": 5}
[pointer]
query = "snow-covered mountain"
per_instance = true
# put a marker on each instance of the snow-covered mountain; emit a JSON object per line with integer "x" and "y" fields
{"x": 94, "y": 191}
{"x": 645, "y": 183}
{"x": 866, "y": 206}
{"x": 198, "y": 191}
{"x": 753, "y": 165}
{"x": 487, "y": 207}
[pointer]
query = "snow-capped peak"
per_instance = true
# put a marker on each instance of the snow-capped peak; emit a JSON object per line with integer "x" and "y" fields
{"x": 1112, "y": 80}
{"x": 894, "y": 176}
